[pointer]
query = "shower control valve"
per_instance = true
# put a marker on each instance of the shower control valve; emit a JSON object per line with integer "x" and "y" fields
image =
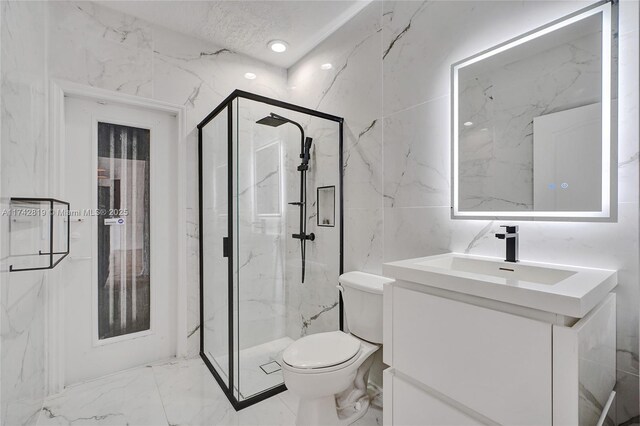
{"x": 310, "y": 236}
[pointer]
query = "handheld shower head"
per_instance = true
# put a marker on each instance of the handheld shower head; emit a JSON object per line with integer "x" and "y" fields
{"x": 307, "y": 150}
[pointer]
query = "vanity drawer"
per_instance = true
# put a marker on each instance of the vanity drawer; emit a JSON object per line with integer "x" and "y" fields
{"x": 494, "y": 363}
{"x": 408, "y": 404}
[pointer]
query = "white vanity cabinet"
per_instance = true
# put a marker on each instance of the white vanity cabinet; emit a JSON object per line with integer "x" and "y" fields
{"x": 457, "y": 359}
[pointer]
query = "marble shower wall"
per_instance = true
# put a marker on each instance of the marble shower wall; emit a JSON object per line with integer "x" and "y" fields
{"x": 93, "y": 45}
{"x": 420, "y": 42}
{"x": 24, "y": 172}
{"x": 352, "y": 89}
{"x": 312, "y": 306}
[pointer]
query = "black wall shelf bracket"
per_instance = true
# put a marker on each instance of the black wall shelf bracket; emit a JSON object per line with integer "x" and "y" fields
{"x": 38, "y": 249}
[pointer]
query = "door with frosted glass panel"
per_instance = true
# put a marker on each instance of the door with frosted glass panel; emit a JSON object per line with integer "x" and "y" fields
{"x": 120, "y": 296}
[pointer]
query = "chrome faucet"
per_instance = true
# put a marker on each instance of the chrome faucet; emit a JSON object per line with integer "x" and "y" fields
{"x": 511, "y": 235}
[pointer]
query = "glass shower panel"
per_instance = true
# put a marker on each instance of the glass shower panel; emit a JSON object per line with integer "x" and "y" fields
{"x": 274, "y": 306}
{"x": 275, "y": 280}
{"x": 261, "y": 226}
{"x": 214, "y": 222}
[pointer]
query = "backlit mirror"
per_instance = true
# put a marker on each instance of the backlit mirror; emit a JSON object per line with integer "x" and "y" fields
{"x": 533, "y": 124}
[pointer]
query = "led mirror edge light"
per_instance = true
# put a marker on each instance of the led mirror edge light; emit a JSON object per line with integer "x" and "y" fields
{"x": 605, "y": 213}
{"x": 606, "y": 107}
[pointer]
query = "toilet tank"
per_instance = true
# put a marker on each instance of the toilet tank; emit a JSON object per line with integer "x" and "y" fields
{"x": 362, "y": 297}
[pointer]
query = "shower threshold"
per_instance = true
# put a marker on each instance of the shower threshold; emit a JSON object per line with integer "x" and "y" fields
{"x": 256, "y": 367}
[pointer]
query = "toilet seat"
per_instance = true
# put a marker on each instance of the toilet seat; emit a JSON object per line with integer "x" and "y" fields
{"x": 322, "y": 352}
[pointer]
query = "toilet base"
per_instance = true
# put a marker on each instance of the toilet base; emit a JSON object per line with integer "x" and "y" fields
{"x": 317, "y": 411}
{"x": 352, "y": 414}
{"x": 353, "y": 402}
{"x": 322, "y": 411}
{"x": 341, "y": 409}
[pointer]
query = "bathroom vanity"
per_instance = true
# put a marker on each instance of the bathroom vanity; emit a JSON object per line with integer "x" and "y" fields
{"x": 476, "y": 340}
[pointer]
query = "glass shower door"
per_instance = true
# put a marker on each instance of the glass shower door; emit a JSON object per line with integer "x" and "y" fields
{"x": 264, "y": 284}
{"x": 214, "y": 220}
{"x": 261, "y": 251}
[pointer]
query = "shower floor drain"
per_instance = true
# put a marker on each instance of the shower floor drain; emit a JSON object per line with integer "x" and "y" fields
{"x": 270, "y": 367}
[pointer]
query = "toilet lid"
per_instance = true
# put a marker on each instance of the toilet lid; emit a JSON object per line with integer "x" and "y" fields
{"x": 321, "y": 350}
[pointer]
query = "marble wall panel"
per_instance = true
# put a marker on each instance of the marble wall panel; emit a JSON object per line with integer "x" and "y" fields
{"x": 24, "y": 170}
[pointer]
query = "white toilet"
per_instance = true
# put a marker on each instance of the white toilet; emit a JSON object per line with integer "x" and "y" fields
{"x": 329, "y": 371}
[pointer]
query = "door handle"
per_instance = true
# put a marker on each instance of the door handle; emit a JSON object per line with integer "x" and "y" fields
{"x": 225, "y": 246}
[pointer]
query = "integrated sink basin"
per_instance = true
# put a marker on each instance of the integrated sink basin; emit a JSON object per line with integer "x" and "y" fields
{"x": 499, "y": 269}
{"x": 561, "y": 289}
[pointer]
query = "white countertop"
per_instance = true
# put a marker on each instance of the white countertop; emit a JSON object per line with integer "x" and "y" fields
{"x": 573, "y": 296}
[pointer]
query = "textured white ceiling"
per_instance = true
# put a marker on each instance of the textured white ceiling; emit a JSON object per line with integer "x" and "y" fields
{"x": 247, "y": 26}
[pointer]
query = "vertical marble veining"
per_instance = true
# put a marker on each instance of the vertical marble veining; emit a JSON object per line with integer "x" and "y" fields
{"x": 352, "y": 89}
{"x": 24, "y": 161}
{"x": 312, "y": 305}
{"x": 96, "y": 46}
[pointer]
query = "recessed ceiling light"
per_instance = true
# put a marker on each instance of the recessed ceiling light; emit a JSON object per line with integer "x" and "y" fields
{"x": 326, "y": 66}
{"x": 277, "y": 46}
{"x": 468, "y": 123}
{"x": 250, "y": 76}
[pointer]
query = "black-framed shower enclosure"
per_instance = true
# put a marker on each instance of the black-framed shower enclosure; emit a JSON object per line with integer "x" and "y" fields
{"x": 268, "y": 273}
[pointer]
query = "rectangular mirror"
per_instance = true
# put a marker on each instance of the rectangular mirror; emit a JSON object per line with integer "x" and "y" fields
{"x": 533, "y": 124}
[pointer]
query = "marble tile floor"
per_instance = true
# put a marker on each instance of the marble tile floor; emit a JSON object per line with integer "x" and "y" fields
{"x": 178, "y": 392}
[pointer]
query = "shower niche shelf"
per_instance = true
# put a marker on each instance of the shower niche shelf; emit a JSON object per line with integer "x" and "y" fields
{"x": 38, "y": 233}
{"x": 326, "y": 206}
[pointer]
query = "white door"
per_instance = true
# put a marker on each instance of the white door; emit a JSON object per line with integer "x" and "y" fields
{"x": 567, "y": 158}
{"x": 121, "y": 280}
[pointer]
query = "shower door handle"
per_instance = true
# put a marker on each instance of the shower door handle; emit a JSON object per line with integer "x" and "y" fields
{"x": 225, "y": 246}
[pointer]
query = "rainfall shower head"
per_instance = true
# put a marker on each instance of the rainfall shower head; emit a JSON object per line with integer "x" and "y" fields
{"x": 273, "y": 120}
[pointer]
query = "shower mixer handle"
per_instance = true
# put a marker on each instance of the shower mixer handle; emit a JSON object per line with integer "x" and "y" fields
{"x": 301, "y": 236}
